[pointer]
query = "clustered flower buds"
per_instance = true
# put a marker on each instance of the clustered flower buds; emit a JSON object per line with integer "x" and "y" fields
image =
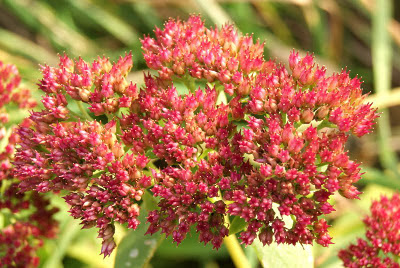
{"x": 20, "y": 239}
{"x": 381, "y": 246}
{"x": 277, "y": 140}
{"x": 245, "y": 138}
{"x": 62, "y": 151}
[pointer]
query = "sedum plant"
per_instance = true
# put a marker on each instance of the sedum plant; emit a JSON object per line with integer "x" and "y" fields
{"x": 218, "y": 138}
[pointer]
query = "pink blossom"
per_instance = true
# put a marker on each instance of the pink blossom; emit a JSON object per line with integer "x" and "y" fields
{"x": 381, "y": 247}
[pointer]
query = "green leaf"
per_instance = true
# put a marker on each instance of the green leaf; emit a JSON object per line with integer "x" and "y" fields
{"x": 237, "y": 225}
{"x": 149, "y": 201}
{"x": 190, "y": 249}
{"x": 251, "y": 256}
{"x": 151, "y": 155}
{"x": 136, "y": 248}
{"x": 181, "y": 88}
{"x": 376, "y": 176}
{"x": 284, "y": 256}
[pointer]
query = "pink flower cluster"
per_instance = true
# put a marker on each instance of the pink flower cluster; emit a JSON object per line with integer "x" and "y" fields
{"x": 22, "y": 237}
{"x": 87, "y": 158}
{"x": 278, "y": 139}
{"x": 381, "y": 246}
{"x": 248, "y": 138}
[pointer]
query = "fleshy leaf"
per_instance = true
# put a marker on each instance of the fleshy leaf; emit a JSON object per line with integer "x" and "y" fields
{"x": 136, "y": 248}
{"x": 237, "y": 225}
{"x": 283, "y": 255}
{"x": 149, "y": 201}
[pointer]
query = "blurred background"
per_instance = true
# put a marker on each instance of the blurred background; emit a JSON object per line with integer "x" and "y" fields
{"x": 361, "y": 35}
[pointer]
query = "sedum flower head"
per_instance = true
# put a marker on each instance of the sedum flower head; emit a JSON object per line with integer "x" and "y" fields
{"x": 245, "y": 138}
{"x": 381, "y": 246}
{"x": 64, "y": 151}
{"x": 275, "y": 147}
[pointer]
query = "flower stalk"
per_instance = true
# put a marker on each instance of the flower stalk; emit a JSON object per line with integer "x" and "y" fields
{"x": 236, "y": 252}
{"x": 83, "y": 111}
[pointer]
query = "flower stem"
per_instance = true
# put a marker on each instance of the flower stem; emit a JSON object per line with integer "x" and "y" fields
{"x": 236, "y": 252}
{"x": 83, "y": 111}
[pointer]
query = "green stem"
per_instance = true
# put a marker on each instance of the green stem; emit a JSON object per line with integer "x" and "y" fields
{"x": 109, "y": 117}
{"x": 381, "y": 58}
{"x": 83, "y": 111}
{"x": 236, "y": 252}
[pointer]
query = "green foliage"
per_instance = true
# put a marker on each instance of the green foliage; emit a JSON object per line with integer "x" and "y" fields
{"x": 284, "y": 256}
{"x": 149, "y": 201}
{"x": 136, "y": 249}
{"x": 237, "y": 225}
{"x": 189, "y": 249}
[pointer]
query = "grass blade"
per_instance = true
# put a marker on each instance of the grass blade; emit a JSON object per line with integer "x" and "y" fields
{"x": 69, "y": 232}
{"x": 382, "y": 65}
{"x": 22, "y": 46}
{"x": 112, "y": 24}
{"x": 42, "y": 18}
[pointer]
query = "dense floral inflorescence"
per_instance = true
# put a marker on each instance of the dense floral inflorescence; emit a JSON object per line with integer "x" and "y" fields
{"x": 218, "y": 133}
{"x": 381, "y": 247}
{"x": 23, "y": 235}
{"x": 277, "y": 148}
{"x": 63, "y": 151}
